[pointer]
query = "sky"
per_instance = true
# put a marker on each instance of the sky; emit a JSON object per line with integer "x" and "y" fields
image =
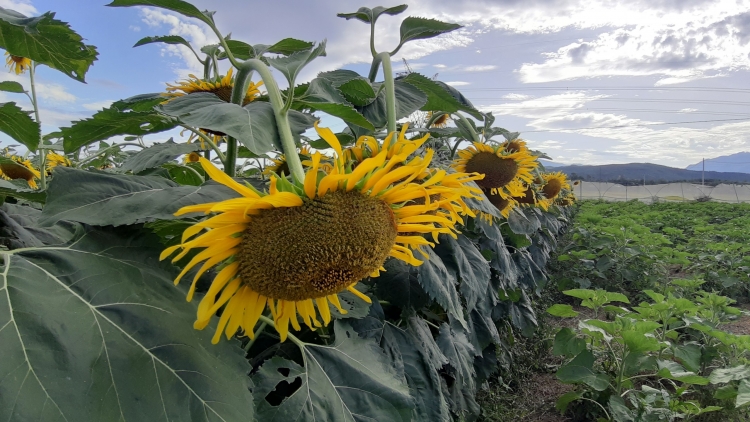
{"x": 585, "y": 81}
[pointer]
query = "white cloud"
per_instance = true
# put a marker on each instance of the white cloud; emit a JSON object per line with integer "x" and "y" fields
{"x": 439, "y": 66}
{"x": 479, "y": 68}
{"x": 135, "y": 28}
{"x": 688, "y": 110}
{"x": 98, "y": 105}
{"x": 21, "y": 6}
{"x": 54, "y": 93}
{"x": 513, "y": 96}
{"x": 458, "y": 83}
{"x": 197, "y": 35}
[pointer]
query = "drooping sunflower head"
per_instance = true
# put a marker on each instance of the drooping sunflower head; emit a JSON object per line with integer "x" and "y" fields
{"x": 17, "y": 64}
{"x": 530, "y": 197}
{"x": 293, "y": 249}
{"x": 19, "y": 168}
{"x": 53, "y": 160}
{"x": 553, "y": 184}
{"x": 499, "y": 166}
{"x": 281, "y": 168}
{"x": 515, "y": 145}
{"x": 193, "y": 157}
{"x": 221, "y": 87}
{"x": 441, "y": 122}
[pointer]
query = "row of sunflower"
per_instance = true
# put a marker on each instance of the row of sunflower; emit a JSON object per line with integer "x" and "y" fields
{"x": 374, "y": 273}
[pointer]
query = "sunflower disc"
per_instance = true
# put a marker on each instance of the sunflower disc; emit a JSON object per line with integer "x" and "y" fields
{"x": 498, "y": 171}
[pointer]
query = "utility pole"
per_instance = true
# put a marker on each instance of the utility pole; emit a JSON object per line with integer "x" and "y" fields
{"x": 703, "y": 174}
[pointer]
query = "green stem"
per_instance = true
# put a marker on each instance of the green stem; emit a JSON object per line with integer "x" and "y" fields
{"x": 434, "y": 117}
{"x": 223, "y": 42}
{"x": 40, "y": 151}
{"x": 290, "y": 336}
{"x": 455, "y": 148}
{"x": 195, "y": 172}
{"x": 102, "y": 151}
{"x": 469, "y": 128}
{"x": 374, "y": 68}
{"x": 390, "y": 91}
{"x": 279, "y": 110}
{"x": 207, "y": 68}
{"x": 372, "y": 40}
{"x": 260, "y": 329}
{"x": 207, "y": 140}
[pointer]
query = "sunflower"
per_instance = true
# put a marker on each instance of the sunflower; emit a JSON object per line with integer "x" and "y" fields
{"x": 293, "y": 249}
{"x": 554, "y": 183}
{"x": 515, "y": 145}
{"x": 499, "y": 167}
{"x": 281, "y": 168}
{"x": 222, "y": 88}
{"x": 19, "y": 168}
{"x": 441, "y": 121}
{"x": 17, "y": 64}
{"x": 193, "y": 157}
{"x": 53, "y": 160}
{"x": 530, "y": 198}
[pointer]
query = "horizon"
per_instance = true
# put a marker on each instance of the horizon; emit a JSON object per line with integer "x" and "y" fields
{"x": 663, "y": 83}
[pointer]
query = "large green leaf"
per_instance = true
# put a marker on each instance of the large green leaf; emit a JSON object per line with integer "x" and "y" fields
{"x": 413, "y": 28}
{"x": 350, "y": 381}
{"x": 467, "y": 264}
{"x": 724, "y": 375}
{"x": 322, "y": 95}
{"x": 440, "y": 285}
{"x": 356, "y": 89}
{"x": 523, "y": 223}
{"x": 291, "y": 65}
{"x": 367, "y": 15}
{"x": 132, "y": 116}
{"x": 102, "y": 199}
{"x": 287, "y": 46}
{"x": 254, "y": 124}
{"x": 579, "y": 370}
{"x": 441, "y": 96}
{"x": 408, "y": 100}
{"x": 156, "y": 155}
{"x": 95, "y": 331}
{"x": 398, "y": 285}
{"x": 166, "y": 39}
{"x": 8, "y": 188}
{"x": 46, "y": 40}
{"x": 12, "y": 86}
{"x": 19, "y": 125}
{"x": 179, "y": 6}
{"x": 19, "y": 228}
{"x": 460, "y": 354}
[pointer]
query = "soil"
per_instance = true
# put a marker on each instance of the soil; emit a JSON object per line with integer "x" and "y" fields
{"x": 740, "y": 326}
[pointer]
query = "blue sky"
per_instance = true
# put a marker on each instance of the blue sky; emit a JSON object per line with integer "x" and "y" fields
{"x": 589, "y": 82}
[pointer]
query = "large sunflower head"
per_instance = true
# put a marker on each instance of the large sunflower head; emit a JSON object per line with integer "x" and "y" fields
{"x": 221, "y": 87}
{"x": 499, "y": 166}
{"x": 17, "y": 64}
{"x": 293, "y": 249}
{"x": 19, "y": 168}
{"x": 53, "y": 160}
{"x": 554, "y": 184}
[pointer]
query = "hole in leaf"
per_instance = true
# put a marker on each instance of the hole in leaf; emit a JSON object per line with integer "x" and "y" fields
{"x": 283, "y": 390}
{"x": 284, "y": 371}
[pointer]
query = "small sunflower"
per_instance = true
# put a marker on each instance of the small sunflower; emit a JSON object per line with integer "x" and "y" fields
{"x": 54, "y": 160}
{"x": 281, "y": 168}
{"x": 193, "y": 157}
{"x": 17, "y": 64}
{"x": 499, "y": 166}
{"x": 222, "y": 88}
{"x": 293, "y": 249}
{"x": 441, "y": 121}
{"x": 531, "y": 198}
{"x": 554, "y": 184}
{"x": 514, "y": 145}
{"x": 19, "y": 169}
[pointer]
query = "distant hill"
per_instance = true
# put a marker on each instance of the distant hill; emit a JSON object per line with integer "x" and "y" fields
{"x": 737, "y": 163}
{"x": 549, "y": 164}
{"x": 633, "y": 174}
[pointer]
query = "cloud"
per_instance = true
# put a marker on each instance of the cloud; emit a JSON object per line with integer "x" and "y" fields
{"x": 135, "y": 28}
{"x": 457, "y": 83}
{"x": 21, "y": 6}
{"x": 54, "y": 93}
{"x": 439, "y": 66}
{"x": 479, "y": 68}
{"x": 98, "y": 105}
{"x": 688, "y": 110}
{"x": 513, "y": 96}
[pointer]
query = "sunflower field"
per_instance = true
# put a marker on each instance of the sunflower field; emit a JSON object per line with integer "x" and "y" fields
{"x": 263, "y": 267}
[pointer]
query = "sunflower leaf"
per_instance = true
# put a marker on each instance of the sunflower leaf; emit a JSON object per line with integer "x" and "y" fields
{"x": 367, "y": 15}
{"x": 440, "y": 284}
{"x": 132, "y": 116}
{"x": 464, "y": 261}
{"x": 101, "y": 199}
{"x": 179, "y": 6}
{"x": 19, "y": 125}
{"x": 523, "y": 223}
{"x": 322, "y": 95}
{"x": 408, "y": 100}
{"x": 22, "y": 192}
{"x": 291, "y": 65}
{"x": 413, "y": 28}
{"x": 342, "y": 383}
{"x": 46, "y": 40}
{"x": 95, "y": 330}
{"x": 441, "y": 96}
{"x": 12, "y": 86}
{"x": 460, "y": 354}
{"x": 156, "y": 155}
{"x": 166, "y": 39}
{"x": 287, "y": 47}
{"x": 356, "y": 89}
{"x": 19, "y": 228}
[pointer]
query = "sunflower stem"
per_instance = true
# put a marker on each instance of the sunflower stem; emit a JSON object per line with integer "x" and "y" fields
{"x": 434, "y": 118}
{"x": 207, "y": 68}
{"x": 223, "y": 42}
{"x": 374, "y": 68}
{"x": 469, "y": 128}
{"x": 40, "y": 151}
{"x": 279, "y": 110}
{"x": 103, "y": 150}
{"x": 256, "y": 334}
{"x": 290, "y": 336}
{"x": 390, "y": 91}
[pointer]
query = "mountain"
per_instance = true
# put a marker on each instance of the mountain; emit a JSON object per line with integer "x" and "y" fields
{"x": 739, "y": 163}
{"x": 550, "y": 164}
{"x": 634, "y": 173}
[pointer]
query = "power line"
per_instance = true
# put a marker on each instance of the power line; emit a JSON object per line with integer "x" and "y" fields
{"x": 642, "y": 100}
{"x": 594, "y": 88}
{"x": 623, "y": 109}
{"x": 636, "y": 125}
